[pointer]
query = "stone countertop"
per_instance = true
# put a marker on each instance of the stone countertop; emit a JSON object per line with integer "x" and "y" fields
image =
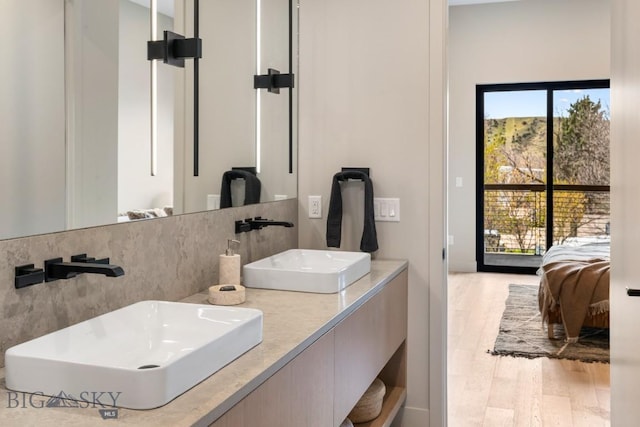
{"x": 292, "y": 321}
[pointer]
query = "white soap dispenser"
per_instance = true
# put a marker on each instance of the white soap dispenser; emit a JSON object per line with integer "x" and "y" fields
{"x": 229, "y": 267}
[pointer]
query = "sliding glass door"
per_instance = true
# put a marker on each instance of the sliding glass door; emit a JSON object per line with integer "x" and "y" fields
{"x": 542, "y": 170}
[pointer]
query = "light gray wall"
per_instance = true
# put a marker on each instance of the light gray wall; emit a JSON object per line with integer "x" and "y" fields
{"x": 32, "y": 118}
{"x": 372, "y": 95}
{"x": 92, "y": 112}
{"x": 512, "y": 42}
{"x": 137, "y": 189}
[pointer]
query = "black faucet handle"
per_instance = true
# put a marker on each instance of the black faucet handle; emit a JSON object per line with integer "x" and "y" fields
{"x": 27, "y": 275}
{"x": 242, "y": 226}
{"x": 82, "y": 258}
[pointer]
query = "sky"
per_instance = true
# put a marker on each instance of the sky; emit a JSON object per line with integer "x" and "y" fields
{"x": 532, "y": 103}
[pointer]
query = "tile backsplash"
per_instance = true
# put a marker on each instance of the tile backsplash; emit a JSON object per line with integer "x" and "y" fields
{"x": 166, "y": 259}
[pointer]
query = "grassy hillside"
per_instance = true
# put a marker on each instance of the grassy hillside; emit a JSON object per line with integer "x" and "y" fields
{"x": 526, "y": 136}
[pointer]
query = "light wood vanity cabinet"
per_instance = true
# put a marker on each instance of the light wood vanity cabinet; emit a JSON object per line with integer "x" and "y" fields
{"x": 322, "y": 384}
{"x": 366, "y": 342}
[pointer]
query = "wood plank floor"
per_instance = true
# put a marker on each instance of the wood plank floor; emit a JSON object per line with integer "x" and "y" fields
{"x": 493, "y": 391}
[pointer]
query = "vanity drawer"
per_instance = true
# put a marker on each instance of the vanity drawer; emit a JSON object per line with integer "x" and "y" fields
{"x": 299, "y": 394}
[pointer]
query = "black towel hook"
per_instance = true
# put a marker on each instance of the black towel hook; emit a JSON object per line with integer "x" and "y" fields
{"x": 362, "y": 170}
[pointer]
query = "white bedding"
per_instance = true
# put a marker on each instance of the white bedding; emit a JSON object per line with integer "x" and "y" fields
{"x": 573, "y": 251}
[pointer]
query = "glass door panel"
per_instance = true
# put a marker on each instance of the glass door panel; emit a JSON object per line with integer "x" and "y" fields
{"x": 514, "y": 168}
{"x": 581, "y": 166}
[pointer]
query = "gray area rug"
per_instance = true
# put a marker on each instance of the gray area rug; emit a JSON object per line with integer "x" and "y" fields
{"x": 523, "y": 335}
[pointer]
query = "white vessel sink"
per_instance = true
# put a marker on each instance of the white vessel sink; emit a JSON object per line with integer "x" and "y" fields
{"x": 140, "y": 356}
{"x": 307, "y": 270}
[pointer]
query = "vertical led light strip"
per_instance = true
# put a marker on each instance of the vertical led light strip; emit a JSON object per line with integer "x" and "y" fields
{"x": 258, "y": 67}
{"x": 291, "y": 88}
{"x": 154, "y": 92}
{"x": 196, "y": 92}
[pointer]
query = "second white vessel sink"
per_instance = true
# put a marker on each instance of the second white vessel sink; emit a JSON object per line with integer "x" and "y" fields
{"x": 140, "y": 356}
{"x": 307, "y": 270}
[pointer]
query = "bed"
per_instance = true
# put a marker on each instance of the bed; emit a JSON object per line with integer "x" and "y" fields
{"x": 137, "y": 214}
{"x": 574, "y": 286}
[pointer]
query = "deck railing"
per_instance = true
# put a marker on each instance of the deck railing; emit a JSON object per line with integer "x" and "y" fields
{"x": 515, "y": 216}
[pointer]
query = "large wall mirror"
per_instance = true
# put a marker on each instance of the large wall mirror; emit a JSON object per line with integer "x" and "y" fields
{"x": 75, "y": 110}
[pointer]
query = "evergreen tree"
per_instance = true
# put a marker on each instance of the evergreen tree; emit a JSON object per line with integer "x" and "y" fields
{"x": 581, "y": 154}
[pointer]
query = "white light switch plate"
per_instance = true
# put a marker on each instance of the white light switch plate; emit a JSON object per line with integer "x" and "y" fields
{"x": 386, "y": 209}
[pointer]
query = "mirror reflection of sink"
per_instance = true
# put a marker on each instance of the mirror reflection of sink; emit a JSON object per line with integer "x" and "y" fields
{"x": 307, "y": 270}
{"x": 149, "y": 352}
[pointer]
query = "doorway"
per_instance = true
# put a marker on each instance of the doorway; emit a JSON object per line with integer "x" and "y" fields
{"x": 503, "y": 43}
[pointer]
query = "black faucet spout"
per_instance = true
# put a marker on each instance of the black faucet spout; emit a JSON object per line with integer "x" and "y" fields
{"x": 56, "y": 269}
{"x": 258, "y": 223}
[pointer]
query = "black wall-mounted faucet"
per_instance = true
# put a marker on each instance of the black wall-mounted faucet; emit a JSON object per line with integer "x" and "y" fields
{"x": 258, "y": 223}
{"x": 55, "y": 269}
